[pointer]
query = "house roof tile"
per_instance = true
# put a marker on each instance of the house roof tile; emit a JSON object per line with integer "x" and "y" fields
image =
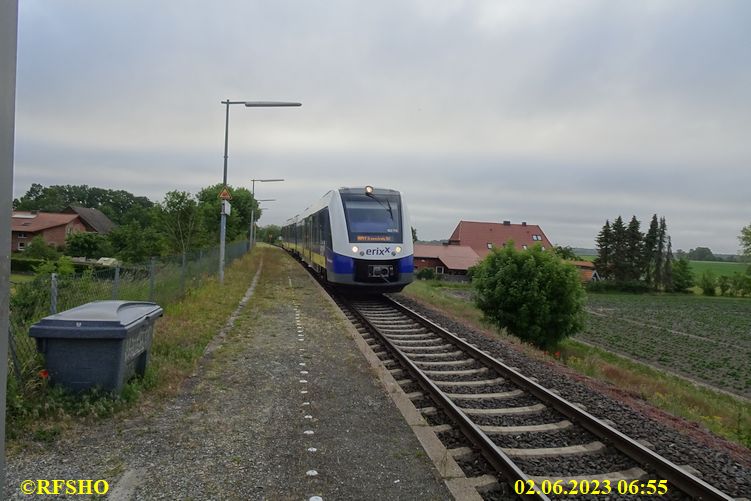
{"x": 479, "y": 234}
{"x": 455, "y": 257}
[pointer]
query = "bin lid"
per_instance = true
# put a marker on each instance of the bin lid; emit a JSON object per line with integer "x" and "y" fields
{"x": 96, "y": 319}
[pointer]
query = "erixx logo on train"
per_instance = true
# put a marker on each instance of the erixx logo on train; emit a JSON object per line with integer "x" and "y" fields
{"x": 378, "y": 252}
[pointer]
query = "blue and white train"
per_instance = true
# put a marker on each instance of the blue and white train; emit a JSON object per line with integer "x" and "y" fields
{"x": 357, "y": 238}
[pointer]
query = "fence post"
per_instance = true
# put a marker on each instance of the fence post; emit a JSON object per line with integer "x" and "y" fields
{"x": 116, "y": 283}
{"x": 152, "y": 278}
{"x": 53, "y": 294}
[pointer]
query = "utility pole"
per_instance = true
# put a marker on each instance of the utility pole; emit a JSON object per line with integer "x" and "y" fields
{"x": 8, "y": 43}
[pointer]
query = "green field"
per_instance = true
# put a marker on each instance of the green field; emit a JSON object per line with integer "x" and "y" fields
{"x": 719, "y": 268}
{"x": 704, "y": 338}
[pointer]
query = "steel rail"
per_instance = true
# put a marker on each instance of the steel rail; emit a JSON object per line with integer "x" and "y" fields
{"x": 492, "y": 453}
{"x": 683, "y": 480}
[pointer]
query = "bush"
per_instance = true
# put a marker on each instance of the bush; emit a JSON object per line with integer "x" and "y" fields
{"x": 426, "y": 274}
{"x": 22, "y": 264}
{"x": 683, "y": 277}
{"x": 707, "y": 283}
{"x": 39, "y": 249}
{"x": 533, "y": 294}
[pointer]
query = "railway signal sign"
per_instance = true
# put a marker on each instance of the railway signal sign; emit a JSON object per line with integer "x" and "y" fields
{"x": 225, "y": 194}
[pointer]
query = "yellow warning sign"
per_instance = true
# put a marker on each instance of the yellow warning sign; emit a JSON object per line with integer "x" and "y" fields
{"x": 225, "y": 194}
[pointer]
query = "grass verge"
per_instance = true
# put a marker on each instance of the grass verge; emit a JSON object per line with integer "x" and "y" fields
{"x": 38, "y": 412}
{"x": 723, "y": 414}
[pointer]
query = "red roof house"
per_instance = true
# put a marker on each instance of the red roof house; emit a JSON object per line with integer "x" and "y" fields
{"x": 51, "y": 226}
{"x": 482, "y": 237}
{"x": 447, "y": 259}
{"x": 587, "y": 271}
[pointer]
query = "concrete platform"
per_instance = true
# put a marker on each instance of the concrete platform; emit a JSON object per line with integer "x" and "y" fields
{"x": 286, "y": 407}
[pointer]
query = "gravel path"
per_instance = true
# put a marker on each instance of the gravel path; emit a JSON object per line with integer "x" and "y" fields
{"x": 284, "y": 408}
{"x": 725, "y": 465}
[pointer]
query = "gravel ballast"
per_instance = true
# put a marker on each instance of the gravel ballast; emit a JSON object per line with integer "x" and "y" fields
{"x": 724, "y": 465}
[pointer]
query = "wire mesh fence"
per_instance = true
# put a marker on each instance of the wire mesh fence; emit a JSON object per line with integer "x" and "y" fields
{"x": 161, "y": 280}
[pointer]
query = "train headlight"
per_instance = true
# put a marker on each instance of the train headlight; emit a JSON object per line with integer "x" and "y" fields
{"x": 355, "y": 249}
{"x": 398, "y": 249}
{"x": 368, "y": 190}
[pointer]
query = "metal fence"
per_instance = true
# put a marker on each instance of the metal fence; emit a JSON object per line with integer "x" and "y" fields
{"x": 161, "y": 280}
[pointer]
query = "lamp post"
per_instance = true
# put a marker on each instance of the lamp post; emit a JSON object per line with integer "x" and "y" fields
{"x": 223, "y": 224}
{"x": 252, "y": 219}
{"x": 252, "y": 207}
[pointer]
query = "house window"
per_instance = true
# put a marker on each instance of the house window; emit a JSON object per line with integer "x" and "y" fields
{"x": 21, "y": 245}
{"x": 490, "y": 245}
{"x": 536, "y": 238}
{"x": 21, "y": 235}
{"x": 524, "y": 247}
{"x": 439, "y": 270}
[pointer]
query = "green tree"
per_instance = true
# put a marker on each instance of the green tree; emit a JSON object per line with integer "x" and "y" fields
{"x": 88, "y": 244}
{"x": 649, "y": 250}
{"x": 238, "y": 222}
{"x": 667, "y": 274}
{"x": 620, "y": 263}
{"x": 603, "y": 262}
{"x": 701, "y": 254}
{"x": 683, "y": 277}
{"x": 414, "y": 233}
{"x": 633, "y": 251}
{"x": 566, "y": 253}
{"x": 269, "y": 233}
{"x": 178, "y": 219}
{"x": 116, "y": 204}
{"x": 659, "y": 254}
{"x": 745, "y": 239}
{"x": 135, "y": 244}
{"x": 532, "y": 294}
{"x": 39, "y": 249}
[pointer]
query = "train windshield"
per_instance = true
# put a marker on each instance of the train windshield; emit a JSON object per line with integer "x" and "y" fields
{"x": 374, "y": 218}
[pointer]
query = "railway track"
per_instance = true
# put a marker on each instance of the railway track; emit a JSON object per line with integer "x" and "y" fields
{"x": 522, "y": 431}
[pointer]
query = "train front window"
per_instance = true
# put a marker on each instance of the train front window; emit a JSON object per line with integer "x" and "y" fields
{"x": 374, "y": 218}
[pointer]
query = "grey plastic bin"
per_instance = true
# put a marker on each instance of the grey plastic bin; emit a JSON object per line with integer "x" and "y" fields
{"x": 103, "y": 343}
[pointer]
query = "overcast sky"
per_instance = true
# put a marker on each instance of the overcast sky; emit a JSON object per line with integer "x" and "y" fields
{"x": 556, "y": 113}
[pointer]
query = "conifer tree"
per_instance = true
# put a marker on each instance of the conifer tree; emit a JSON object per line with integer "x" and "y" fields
{"x": 659, "y": 255}
{"x": 648, "y": 251}
{"x": 603, "y": 262}
{"x": 619, "y": 254}
{"x": 668, "y": 272}
{"x": 633, "y": 250}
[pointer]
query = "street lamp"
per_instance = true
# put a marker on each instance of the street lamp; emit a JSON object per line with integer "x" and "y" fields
{"x": 252, "y": 207}
{"x": 223, "y": 224}
{"x": 251, "y": 225}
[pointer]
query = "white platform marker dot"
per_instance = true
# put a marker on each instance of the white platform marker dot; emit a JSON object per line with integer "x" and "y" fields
{"x": 315, "y": 498}
{"x": 311, "y": 473}
{"x": 312, "y": 449}
{"x": 308, "y": 432}
{"x": 303, "y": 380}
{"x": 308, "y": 416}
{"x": 306, "y": 403}
{"x": 302, "y": 364}
{"x": 304, "y": 392}
{"x": 303, "y": 372}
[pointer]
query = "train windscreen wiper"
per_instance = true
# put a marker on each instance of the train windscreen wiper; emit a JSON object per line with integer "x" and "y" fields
{"x": 389, "y": 209}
